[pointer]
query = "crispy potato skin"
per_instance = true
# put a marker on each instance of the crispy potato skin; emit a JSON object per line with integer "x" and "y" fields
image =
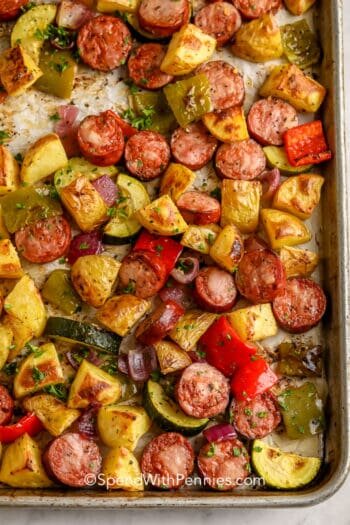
{"x": 228, "y": 248}
{"x": 198, "y": 321}
{"x": 9, "y": 171}
{"x": 6, "y": 338}
{"x": 110, "y": 6}
{"x": 18, "y": 71}
{"x": 240, "y": 204}
{"x": 171, "y": 357}
{"x": 228, "y": 125}
{"x": 176, "y": 180}
{"x": 200, "y": 238}
{"x": 299, "y": 7}
{"x": 283, "y": 229}
{"x": 43, "y": 158}
{"x": 162, "y": 217}
{"x": 254, "y": 323}
{"x": 10, "y": 265}
{"x": 121, "y": 312}
{"x": 53, "y": 414}
{"x": 259, "y": 40}
{"x": 122, "y": 425}
{"x": 122, "y": 468}
{"x": 298, "y": 262}
{"x": 299, "y": 195}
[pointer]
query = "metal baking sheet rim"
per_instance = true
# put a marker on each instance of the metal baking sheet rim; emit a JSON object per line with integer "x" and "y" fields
{"x": 331, "y": 17}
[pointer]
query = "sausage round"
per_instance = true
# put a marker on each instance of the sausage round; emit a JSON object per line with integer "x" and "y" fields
{"x": 253, "y": 9}
{"x": 73, "y": 460}
{"x": 268, "y": 119}
{"x": 243, "y": 160}
{"x": 226, "y": 84}
{"x": 159, "y": 323}
{"x": 254, "y": 242}
{"x": 220, "y": 20}
{"x": 255, "y": 418}
{"x": 167, "y": 461}
{"x": 260, "y": 276}
{"x": 9, "y": 9}
{"x": 301, "y": 306}
{"x": 101, "y": 139}
{"x": 163, "y": 17}
{"x": 202, "y": 391}
{"x": 142, "y": 273}
{"x": 45, "y": 240}
{"x": 197, "y": 207}
{"x": 224, "y": 464}
{"x": 147, "y": 155}
{"x": 6, "y": 406}
{"x": 215, "y": 289}
{"x": 193, "y": 146}
{"x": 144, "y": 67}
{"x": 104, "y": 43}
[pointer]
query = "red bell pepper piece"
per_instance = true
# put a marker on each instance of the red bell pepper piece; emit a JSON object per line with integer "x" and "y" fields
{"x": 165, "y": 247}
{"x": 306, "y": 144}
{"x": 28, "y": 424}
{"x": 252, "y": 379}
{"x": 224, "y": 349}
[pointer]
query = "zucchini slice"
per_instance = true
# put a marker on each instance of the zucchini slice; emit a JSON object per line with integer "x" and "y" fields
{"x": 283, "y": 470}
{"x": 78, "y": 166}
{"x": 276, "y": 158}
{"x": 167, "y": 414}
{"x": 85, "y": 334}
{"x": 123, "y": 227}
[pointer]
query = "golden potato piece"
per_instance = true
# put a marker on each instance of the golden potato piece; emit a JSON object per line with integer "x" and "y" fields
{"x": 176, "y": 180}
{"x": 299, "y": 7}
{"x": 259, "y": 40}
{"x": 22, "y": 334}
{"x": 122, "y": 471}
{"x": 228, "y": 248}
{"x": 10, "y": 265}
{"x": 240, "y": 203}
{"x": 190, "y": 328}
{"x": 122, "y": 425}
{"x": 228, "y": 125}
{"x": 53, "y": 414}
{"x": 298, "y": 262}
{"x": 110, "y": 6}
{"x": 171, "y": 357}
{"x": 299, "y": 195}
{"x": 17, "y": 70}
{"x": 162, "y": 217}
{"x": 9, "y": 171}
{"x": 6, "y": 338}
{"x": 254, "y": 322}
{"x": 120, "y": 313}
{"x": 283, "y": 229}
{"x": 43, "y": 158}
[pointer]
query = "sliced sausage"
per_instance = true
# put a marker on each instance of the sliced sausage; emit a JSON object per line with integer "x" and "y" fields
{"x": 142, "y": 273}
{"x": 260, "y": 276}
{"x": 6, "y": 406}
{"x": 243, "y": 160}
{"x": 144, "y": 67}
{"x": 301, "y": 306}
{"x": 269, "y": 118}
{"x": 10, "y": 9}
{"x": 177, "y": 293}
{"x": 104, "y": 43}
{"x": 255, "y": 418}
{"x": 147, "y": 155}
{"x": 163, "y": 17}
{"x": 73, "y": 460}
{"x": 254, "y": 242}
{"x": 193, "y": 146}
{"x": 254, "y": 8}
{"x": 101, "y": 139}
{"x": 215, "y": 289}
{"x": 220, "y": 20}
{"x": 226, "y": 84}
{"x": 202, "y": 391}
{"x": 224, "y": 465}
{"x": 159, "y": 323}
{"x": 270, "y": 181}
{"x": 45, "y": 240}
{"x": 167, "y": 461}
{"x": 198, "y": 207}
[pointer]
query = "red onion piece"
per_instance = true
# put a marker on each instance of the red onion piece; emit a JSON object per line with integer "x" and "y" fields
{"x": 55, "y": 42}
{"x": 72, "y": 15}
{"x": 85, "y": 244}
{"x": 68, "y": 115}
{"x": 196, "y": 357}
{"x": 219, "y": 432}
{"x": 186, "y": 270}
{"x": 86, "y": 423}
{"x": 92, "y": 357}
{"x": 141, "y": 362}
{"x": 123, "y": 364}
{"x": 270, "y": 180}
{"x": 107, "y": 189}
{"x": 178, "y": 294}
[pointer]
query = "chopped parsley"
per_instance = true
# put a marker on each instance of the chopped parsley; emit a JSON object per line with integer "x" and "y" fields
{"x": 130, "y": 288}
{"x": 84, "y": 246}
{"x": 37, "y": 374}
{"x": 236, "y": 451}
{"x": 55, "y": 117}
{"x": 59, "y": 391}
{"x": 4, "y": 136}
{"x": 141, "y": 121}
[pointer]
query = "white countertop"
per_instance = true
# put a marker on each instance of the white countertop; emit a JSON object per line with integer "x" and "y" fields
{"x": 335, "y": 510}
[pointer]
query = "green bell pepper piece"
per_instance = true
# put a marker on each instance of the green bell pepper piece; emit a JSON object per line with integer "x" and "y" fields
{"x": 300, "y": 44}
{"x": 152, "y": 112}
{"x": 58, "y": 69}
{"x": 300, "y": 359}
{"x": 59, "y": 292}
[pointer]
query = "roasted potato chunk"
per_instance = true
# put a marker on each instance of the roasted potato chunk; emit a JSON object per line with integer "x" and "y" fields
{"x": 22, "y": 334}
{"x": 299, "y": 7}
{"x": 162, "y": 217}
{"x": 290, "y": 83}
{"x": 110, "y": 6}
{"x": 93, "y": 385}
{"x": 43, "y": 158}
{"x": 120, "y": 313}
{"x": 6, "y": 338}
{"x": 259, "y": 40}
{"x": 17, "y": 70}
{"x": 84, "y": 203}
{"x": 299, "y": 195}
{"x": 188, "y": 48}
{"x": 228, "y": 248}
{"x": 200, "y": 238}
{"x": 171, "y": 357}
{"x": 10, "y": 265}
{"x": 297, "y": 262}
{"x": 4, "y": 234}
{"x": 254, "y": 322}
{"x": 122, "y": 471}
{"x": 227, "y": 125}
{"x": 21, "y": 465}
{"x": 122, "y": 425}
{"x": 9, "y": 171}
{"x": 53, "y": 414}
{"x": 240, "y": 203}
{"x": 94, "y": 278}
{"x": 190, "y": 328}
{"x": 283, "y": 229}
{"x": 176, "y": 180}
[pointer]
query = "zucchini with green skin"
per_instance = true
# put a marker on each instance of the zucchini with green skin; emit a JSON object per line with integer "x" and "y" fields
{"x": 283, "y": 470}
{"x": 167, "y": 414}
{"x": 277, "y": 158}
{"x": 84, "y": 334}
{"x": 78, "y": 166}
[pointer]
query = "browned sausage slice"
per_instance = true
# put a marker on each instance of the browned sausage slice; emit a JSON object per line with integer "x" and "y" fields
{"x": 6, "y": 406}
{"x": 73, "y": 460}
{"x": 269, "y": 118}
{"x": 253, "y": 8}
{"x": 9, "y": 9}
{"x": 160, "y": 323}
{"x": 163, "y": 17}
{"x": 104, "y": 43}
{"x": 167, "y": 461}
{"x": 144, "y": 67}
{"x": 202, "y": 391}
{"x": 220, "y": 20}
{"x": 226, "y": 84}
{"x": 243, "y": 160}
{"x": 147, "y": 155}
{"x": 193, "y": 146}
{"x": 256, "y": 418}
{"x": 142, "y": 273}
{"x": 199, "y": 208}
{"x": 215, "y": 289}
{"x": 301, "y": 306}
{"x": 224, "y": 465}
